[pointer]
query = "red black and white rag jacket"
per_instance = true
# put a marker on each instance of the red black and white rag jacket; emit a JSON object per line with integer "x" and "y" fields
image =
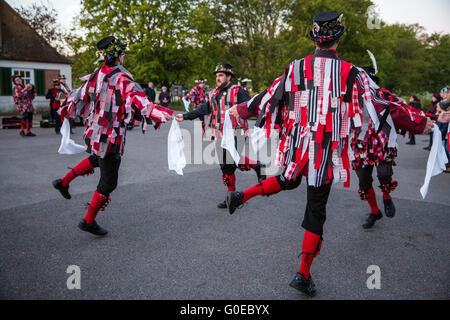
{"x": 23, "y": 99}
{"x": 197, "y": 96}
{"x": 106, "y": 101}
{"x": 320, "y": 105}
{"x": 219, "y": 101}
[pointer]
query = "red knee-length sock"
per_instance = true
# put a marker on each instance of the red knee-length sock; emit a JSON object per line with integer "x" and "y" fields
{"x": 232, "y": 182}
{"x": 28, "y": 127}
{"x": 22, "y": 125}
{"x": 203, "y": 127}
{"x": 372, "y": 201}
{"x": 268, "y": 186}
{"x": 82, "y": 168}
{"x": 310, "y": 245}
{"x": 386, "y": 195}
{"x": 98, "y": 200}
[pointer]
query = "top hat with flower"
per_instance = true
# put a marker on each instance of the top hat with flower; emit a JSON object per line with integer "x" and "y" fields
{"x": 110, "y": 48}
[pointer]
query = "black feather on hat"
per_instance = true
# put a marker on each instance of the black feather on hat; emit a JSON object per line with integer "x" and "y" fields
{"x": 327, "y": 27}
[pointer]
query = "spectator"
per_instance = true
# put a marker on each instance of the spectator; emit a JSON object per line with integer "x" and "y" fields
{"x": 164, "y": 98}
{"x": 433, "y": 110}
{"x": 413, "y": 102}
{"x": 54, "y": 94}
{"x": 443, "y": 106}
{"x": 150, "y": 92}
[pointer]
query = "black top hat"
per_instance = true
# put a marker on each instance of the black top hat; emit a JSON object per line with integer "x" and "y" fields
{"x": 225, "y": 68}
{"x": 105, "y": 42}
{"x": 327, "y": 27}
{"x": 111, "y": 46}
{"x": 61, "y": 76}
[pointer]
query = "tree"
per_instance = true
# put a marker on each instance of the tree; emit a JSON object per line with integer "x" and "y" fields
{"x": 43, "y": 19}
{"x": 179, "y": 41}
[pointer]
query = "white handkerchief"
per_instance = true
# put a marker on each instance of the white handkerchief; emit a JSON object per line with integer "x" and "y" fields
{"x": 436, "y": 160}
{"x": 175, "y": 149}
{"x": 68, "y": 146}
{"x": 228, "y": 138}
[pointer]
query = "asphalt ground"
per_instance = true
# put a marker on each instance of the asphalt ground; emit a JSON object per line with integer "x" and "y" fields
{"x": 168, "y": 240}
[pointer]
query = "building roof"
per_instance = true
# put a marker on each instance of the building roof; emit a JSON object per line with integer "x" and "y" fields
{"x": 18, "y": 41}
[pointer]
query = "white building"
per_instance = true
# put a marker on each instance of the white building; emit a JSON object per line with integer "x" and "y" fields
{"x": 24, "y": 52}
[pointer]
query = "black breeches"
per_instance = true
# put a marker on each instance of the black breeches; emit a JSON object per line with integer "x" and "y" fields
{"x": 317, "y": 198}
{"x": 316, "y": 208}
{"x": 384, "y": 174}
{"x": 27, "y": 116}
{"x": 56, "y": 117}
{"x": 109, "y": 172}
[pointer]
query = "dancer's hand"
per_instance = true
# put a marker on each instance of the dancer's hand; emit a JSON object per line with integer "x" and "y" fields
{"x": 428, "y": 126}
{"x": 179, "y": 117}
{"x": 444, "y": 117}
{"x": 234, "y": 112}
{"x": 167, "y": 116}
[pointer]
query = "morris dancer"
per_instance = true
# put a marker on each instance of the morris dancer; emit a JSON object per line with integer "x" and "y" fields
{"x": 198, "y": 96}
{"x": 23, "y": 98}
{"x": 220, "y": 99}
{"x": 107, "y": 101}
{"x": 321, "y": 103}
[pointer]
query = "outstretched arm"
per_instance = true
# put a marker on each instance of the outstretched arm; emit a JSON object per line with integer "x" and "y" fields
{"x": 404, "y": 117}
{"x": 202, "y": 110}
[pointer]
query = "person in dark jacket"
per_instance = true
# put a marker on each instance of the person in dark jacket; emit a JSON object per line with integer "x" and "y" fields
{"x": 433, "y": 110}
{"x": 413, "y": 102}
{"x": 55, "y": 94}
{"x": 164, "y": 98}
{"x": 150, "y": 92}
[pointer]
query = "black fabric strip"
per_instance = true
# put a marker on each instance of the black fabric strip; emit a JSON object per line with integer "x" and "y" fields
{"x": 302, "y": 75}
{"x": 256, "y": 101}
{"x": 350, "y": 80}
{"x": 384, "y": 118}
{"x": 261, "y": 118}
{"x": 291, "y": 101}
{"x": 278, "y": 96}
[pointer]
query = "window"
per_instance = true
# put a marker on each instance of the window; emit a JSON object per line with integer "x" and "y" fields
{"x": 27, "y": 75}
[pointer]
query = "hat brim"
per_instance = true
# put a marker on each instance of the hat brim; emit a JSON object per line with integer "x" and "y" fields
{"x": 226, "y": 72}
{"x": 332, "y": 37}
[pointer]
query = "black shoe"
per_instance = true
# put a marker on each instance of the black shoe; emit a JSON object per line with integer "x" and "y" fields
{"x": 93, "y": 228}
{"x": 257, "y": 169}
{"x": 301, "y": 284}
{"x": 411, "y": 142}
{"x": 389, "y": 208}
{"x": 234, "y": 200}
{"x": 371, "y": 220}
{"x": 22, "y": 134}
{"x": 222, "y": 205}
{"x": 59, "y": 186}
{"x": 427, "y": 148}
{"x": 31, "y": 134}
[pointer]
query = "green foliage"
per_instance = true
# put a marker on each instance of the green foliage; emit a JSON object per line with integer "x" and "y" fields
{"x": 178, "y": 41}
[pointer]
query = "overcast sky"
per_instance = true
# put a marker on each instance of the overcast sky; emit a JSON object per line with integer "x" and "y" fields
{"x": 431, "y": 14}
